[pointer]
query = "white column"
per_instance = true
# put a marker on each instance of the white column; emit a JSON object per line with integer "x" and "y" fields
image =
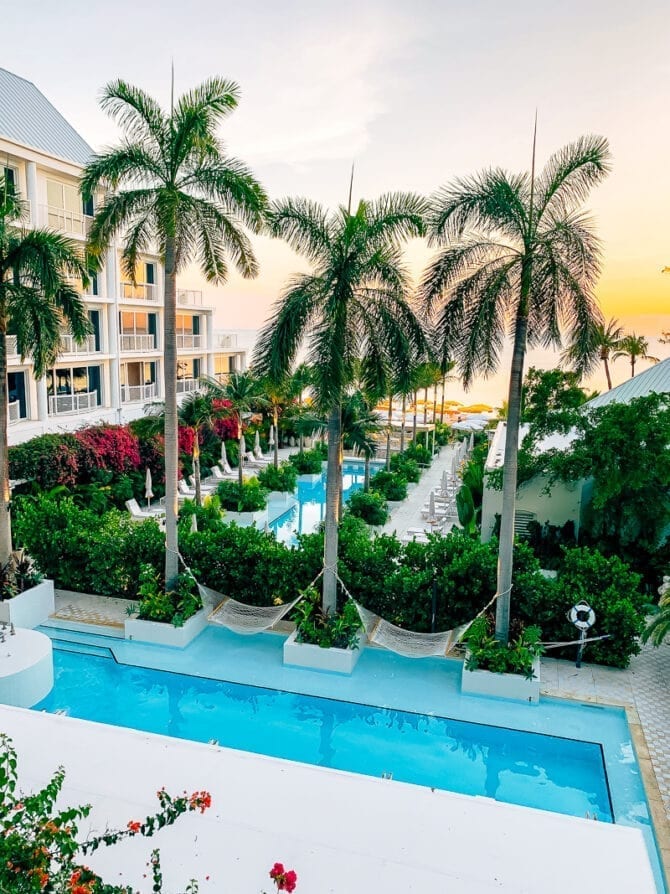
{"x": 112, "y": 289}
{"x": 31, "y": 185}
{"x": 209, "y": 343}
{"x": 42, "y": 401}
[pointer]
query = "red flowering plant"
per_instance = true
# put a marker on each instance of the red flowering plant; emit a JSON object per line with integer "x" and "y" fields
{"x": 111, "y": 447}
{"x": 40, "y": 846}
{"x": 284, "y": 879}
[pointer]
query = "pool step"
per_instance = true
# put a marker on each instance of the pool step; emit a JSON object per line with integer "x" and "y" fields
{"x": 71, "y": 645}
{"x": 111, "y": 629}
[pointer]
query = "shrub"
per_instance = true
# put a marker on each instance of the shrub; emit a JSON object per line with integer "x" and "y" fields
{"x": 19, "y": 574}
{"x": 420, "y": 454}
{"x": 408, "y": 468}
{"x": 487, "y": 653}
{"x": 309, "y": 462}
{"x": 251, "y": 497}
{"x": 173, "y": 606}
{"x": 111, "y": 447}
{"x": 284, "y": 478}
{"x": 442, "y": 434}
{"x": 314, "y": 626}
{"x": 390, "y": 485}
{"x": 371, "y": 507}
{"x": 49, "y": 460}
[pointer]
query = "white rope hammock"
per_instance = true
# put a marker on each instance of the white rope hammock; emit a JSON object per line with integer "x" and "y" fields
{"x": 240, "y": 617}
{"x": 407, "y": 642}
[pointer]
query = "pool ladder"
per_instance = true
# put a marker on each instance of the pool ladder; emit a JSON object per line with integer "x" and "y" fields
{"x": 386, "y": 774}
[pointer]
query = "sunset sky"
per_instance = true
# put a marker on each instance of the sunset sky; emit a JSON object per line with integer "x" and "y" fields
{"x": 415, "y": 94}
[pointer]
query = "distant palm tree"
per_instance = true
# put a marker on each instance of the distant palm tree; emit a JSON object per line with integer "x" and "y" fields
{"x": 635, "y": 347}
{"x": 37, "y": 296}
{"x": 244, "y": 393}
{"x": 516, "y": 252}
{"x": 446, "y": 367}
{"x": 605, "y": 338}
{"x": 298, "y": 382}
{"x": 361, "y": 427}
{"x": 172, "y": 185}
{"x": 352, "y": 306}
{"x": 276, "y": 395}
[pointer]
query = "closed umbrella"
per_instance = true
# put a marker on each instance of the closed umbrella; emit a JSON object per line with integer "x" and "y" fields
{"x": 243, "y": 448}
{"x": 432, "y": 518}
{"x": 148, "y": 484}
{"x": 194, "y": 524}
{"x": 271, "y": 436}
{"x": 224, "y": 456}
{"x": 445, "y": 483}
{"x": 257, "y": 445}
{"x": 472, "y": 441}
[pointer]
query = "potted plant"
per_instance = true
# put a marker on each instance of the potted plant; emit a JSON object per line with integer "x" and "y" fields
{"x": 245, "y": 505}
{"x": 26, "y": 598}
{"x": 507, "y": 671}
{"x": 322, "y": 641}
{"x": 169, "y": 616}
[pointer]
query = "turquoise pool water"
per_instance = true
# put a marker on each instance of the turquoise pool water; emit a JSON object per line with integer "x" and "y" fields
{"x": 526, "y": 768}
{"x": 303, "y": 512}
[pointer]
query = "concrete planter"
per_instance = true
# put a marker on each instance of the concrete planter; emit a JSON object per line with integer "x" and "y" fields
{"x": 246, "y": 519}
{"x": 165, "y": 634}
{"x": 337, "y": 661}
{"x": 30, "y": 608}
{"x": 310, "y": 479}
{"x": 26, "y": 668}
{"x": 514, "y": 686}
{"x": 393, "y": 504}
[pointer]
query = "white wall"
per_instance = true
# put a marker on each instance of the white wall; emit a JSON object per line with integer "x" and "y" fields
{"x": 561, "y": 505}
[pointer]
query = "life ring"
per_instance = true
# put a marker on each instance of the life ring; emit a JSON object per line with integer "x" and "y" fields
{"x": 577, "y": 616}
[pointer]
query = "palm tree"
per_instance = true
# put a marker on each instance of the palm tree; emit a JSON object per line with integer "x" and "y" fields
{"x": 516, "y": 252}
{"x": 605, "y": 339}
{"x": 360, "y": 428}
{"x": 244, "y": 393}
{"x": 351, "y": 306}
{"x": 171, "y": 184}
{"x": 298, "y": 382}
{"x": 276, "y": 394}
{"x": 36, "y": 297}
{"x": 446, "y": 367}
{"x": 635, "y": 347}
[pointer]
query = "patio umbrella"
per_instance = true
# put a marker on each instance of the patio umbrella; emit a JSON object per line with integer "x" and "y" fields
{"x": 454, "y": 466}
{"x": 243, "y": 448}
{"x": 271, "y": 436}
{"x": 148, "y": 484}
{"x": 445, "y": 482}
{"x": 194, "y": 524}
{"x": 257, "y": 444}
{"x": 224, "y": 457}
{"x": 432, "y": 519}
{"x": 472, "y": 441}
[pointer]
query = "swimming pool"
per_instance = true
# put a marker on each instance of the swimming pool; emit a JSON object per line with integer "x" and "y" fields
{"x": 525, "y": 768}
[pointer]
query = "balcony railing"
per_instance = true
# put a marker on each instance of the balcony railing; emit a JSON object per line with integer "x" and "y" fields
{"x": 72, "y": 403}
{"x": 14, "y": 407}
{"x": 68, "y": 345}
{"x": 138, "y": 342}
{"x": 143, "y": 291}
{"x": 75, "y": 223}
{"x": 131, "y": 393}
{"x": 225, "y": 341}
{"x": 189, "y": 296}
{"x": 10, "y": 342}
{"x": 184, "y": 385}
{"x": 189, "y": 341}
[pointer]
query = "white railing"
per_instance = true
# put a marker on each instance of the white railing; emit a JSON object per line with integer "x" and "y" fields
{"x": 225, "y": 341}
{"x": 189, "y": 341}
{"x": 222, "y": 378}
{"x": 72, "y": 403}
{"x": 138, "y": 342}
{"x": 131, "y": 393}
{"x": 75, "y": 223}
{"x": 68, "y": 345}
{"x": 14, "y": 407}
{"x": 189, "y": 296}
{"x": 10, "y": 343}
{"x": 143, "y": 291}
{"x": 184, "y": 385}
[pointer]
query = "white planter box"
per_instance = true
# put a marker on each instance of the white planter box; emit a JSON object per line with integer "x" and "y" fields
{"x": 26, "y": 668}
{"x": 514, "y": 686}
{"x": 338, "y": 661}
{"x": 310, "y": 479}
{"x": 246, "y": 519}
{"x": 166, "y": 634}
{"x": 30, "y": 608}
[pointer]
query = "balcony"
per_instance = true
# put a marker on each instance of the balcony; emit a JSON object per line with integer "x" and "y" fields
{"x": 229, "y": 342}
{"x": 188, "y": 340}
{"x": 132, "y": 393}
{"x": 186, "y": 385}
{"x": 143, "y": 291}
{"x": 138, "y": 342}
{"x": 14, "y": 407}
{"x": 74, "y": 223}
{"x": 189, "y": 296}
{"x": 61, "y": 404}
{"x": 68, "y": 345}
{"x": 10, "y": 345}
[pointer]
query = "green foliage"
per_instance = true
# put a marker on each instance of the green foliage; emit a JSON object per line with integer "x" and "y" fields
{"x": 170, "y": 606}
{"x": 551, "y": 398}
{"x": 316, "y": 627}
{"x": 391, "y": 485}
{"x": 420, "y": 454}
{"x": 408, "y": 468}
{"x": 284, "y": 478}
{"x": 548, "y": 542}
{"x": 18, "y": 574}
{"x": 466, "y": 509}
{"x": 658, "y": 627}
{"x": 371, "y": 507}
{"x": 488, "y": 653}
{"x": 49, "y": 460}
{"x": 473, "y": 473}
{"x": 309, "y": 462}
{"x": 251, "y": 497}
{"x": 442, "y": 434}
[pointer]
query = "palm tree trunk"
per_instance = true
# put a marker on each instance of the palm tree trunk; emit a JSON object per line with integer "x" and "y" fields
{"x": 442, "y": 406}
{"x": 240, "y": 463}
{"x": 414, "y": 418}
{"x": 388, "y": 434}
{"x": 171, "y": 430}
{"x": 425, "y": 406}
{"x": 333, "y": 489}
{"x": 5, "y": 493}
{"x": 366, "y": 476}
{"x": 506, "y": 548}
{"x": 196, "y": 468}
{"x": 402, "y": 430}
{"x": 607, "y": 374}
{"x": 275, "y": 420}
{"x": 632, "y": 365}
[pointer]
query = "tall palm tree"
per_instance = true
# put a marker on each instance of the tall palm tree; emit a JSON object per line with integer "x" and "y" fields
{"x": 446, "y": 367}
{"x": 36, "y": 297}
{"x": 244, "y": 393}
{"x": 171, "y": 184}
{"x": 605, "y": 339}
{"x": 276, "y": 394}
{"x": 518, "y": 253}
{"x": 352, "y": 305}
{"x": 635, "y": 347}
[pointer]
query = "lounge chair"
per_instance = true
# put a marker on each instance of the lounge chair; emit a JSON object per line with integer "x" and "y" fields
{"x": 219, "y": 475}
{"x": 253, "y": 463}
{"x": 204, "y": 488}
{"x": 139, "y": 514}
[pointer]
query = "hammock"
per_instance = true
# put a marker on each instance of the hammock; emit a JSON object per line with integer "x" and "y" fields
{"x": 407, "y": 642}
{"x": 240, "y": 617}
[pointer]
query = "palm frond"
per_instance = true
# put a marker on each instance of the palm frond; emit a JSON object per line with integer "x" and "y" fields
{"x": 116, "y": 213}
{"x": 230, "y": 184}
{"x": 130, "y": 161}
{"x": 135, "y": 112}
{"x": 571, "y": 173}
{"x": 303, "y": 225}
{"x": 397, "y": 217}
{"x": 36, "y": 322}
{"x": 282, "y": 335}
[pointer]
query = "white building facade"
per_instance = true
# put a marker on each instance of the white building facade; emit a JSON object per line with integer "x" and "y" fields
{"x": 118, "y": 370}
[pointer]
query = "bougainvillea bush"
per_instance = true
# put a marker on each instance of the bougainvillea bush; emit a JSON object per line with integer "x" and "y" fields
{"x": 112, "y": 447}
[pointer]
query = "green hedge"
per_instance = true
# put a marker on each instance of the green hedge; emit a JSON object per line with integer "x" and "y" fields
{"x": 284, "y": 478}
{"x": 391, "y": 485}
{"x": 309, "y": 462}
{"x": 371, "y": 507}
{"x": 251, "y": 497}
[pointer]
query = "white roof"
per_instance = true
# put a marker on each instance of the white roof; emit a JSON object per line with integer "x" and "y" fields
{"x": 655, "y": 380}
{"x": 554, "y": 441}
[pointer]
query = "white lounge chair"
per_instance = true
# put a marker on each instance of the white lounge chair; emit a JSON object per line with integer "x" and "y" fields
{"x": 139, "y": 514}
{"x": 204, "y": 487}
{"x": 218, "y": 475}
{"x": 253, "y": 463}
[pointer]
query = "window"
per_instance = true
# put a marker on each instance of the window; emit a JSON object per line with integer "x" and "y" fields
{"x": 150, "y": 271}
{"x": 63, "y": 196}
{"x": 94, "y": 317}
{"x": 87, "y": 207}
{"x": 10, "y": 175}
{"x": 16, "y": 392}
